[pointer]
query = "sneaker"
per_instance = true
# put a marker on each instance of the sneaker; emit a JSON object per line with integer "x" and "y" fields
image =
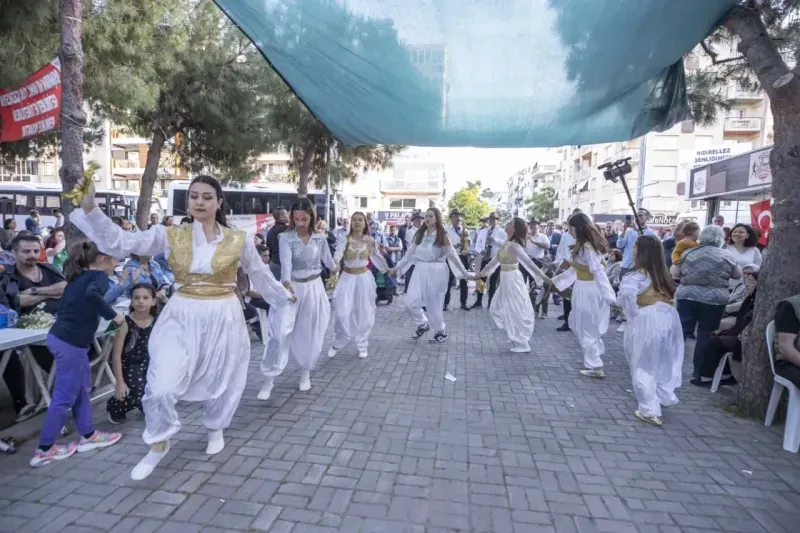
{"x": 58, "y": 452}
{"x": 216, "y": 442}
{"x": 439, "y": 337}
{"x": 363, "y": 354}
{"x": 332, "y": 352}
{"x": 597, "y": 373}
{"x": 477, "y": 306}
{"x": 421, "y": 330}
{"x": 652, "y": 420}
{"x": 100, "y": 439}
{"x": 305, "y": 381}
{"x": 465, "y": 307}
{"x": 621, "y": 328}
{"x": 266, "y": 390}
{"x": 150, "y": 461}
{"x": 117, "y": 420}
{"x": 563, "y": 327}
{"x": 543, "y": 315}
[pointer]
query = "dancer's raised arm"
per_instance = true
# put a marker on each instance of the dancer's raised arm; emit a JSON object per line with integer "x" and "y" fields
{"x": 110, "y": 238}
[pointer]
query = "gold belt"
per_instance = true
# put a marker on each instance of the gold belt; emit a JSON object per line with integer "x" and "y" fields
{"x": 206, "y": 292}
{"x": 507, "y": 268}
{"x": 306, "y": 280}
{"x": 355, "y": 271}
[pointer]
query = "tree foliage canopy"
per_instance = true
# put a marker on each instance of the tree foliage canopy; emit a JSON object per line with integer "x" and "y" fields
{"x": 541, "y": 204}
{"x": 468, "y": 201}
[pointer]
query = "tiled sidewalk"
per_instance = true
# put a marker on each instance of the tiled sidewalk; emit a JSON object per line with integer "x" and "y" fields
{"x": 519, "y": 443}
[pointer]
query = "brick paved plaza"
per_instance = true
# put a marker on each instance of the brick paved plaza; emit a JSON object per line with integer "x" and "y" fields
{"x": 519, "y": 443}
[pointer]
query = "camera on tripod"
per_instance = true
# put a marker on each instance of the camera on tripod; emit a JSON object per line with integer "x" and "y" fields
{"x": 612, "y": 171}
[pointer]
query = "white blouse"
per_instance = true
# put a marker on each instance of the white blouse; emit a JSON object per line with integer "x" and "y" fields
{"x": 428, "y": 252}
{"x": 751, "y": 256}
{"x": 302, "y": 261}
{"x": 112, "y": 240}
{"x": 357, "y": 253}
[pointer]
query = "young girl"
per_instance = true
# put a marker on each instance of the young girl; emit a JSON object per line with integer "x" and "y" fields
{"x": 130, "y": 357}
{"x": 299, "y": 329}
{"x": 592, "y": 294}
{"x": 354, "y": 296}
{"x": 76, "y": 324}
{"x": 654, "y": 338}
{"x": 511, "y": 308}
{"x": 430, "y": 253}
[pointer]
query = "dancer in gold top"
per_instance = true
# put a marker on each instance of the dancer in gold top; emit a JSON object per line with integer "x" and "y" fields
{"x": 200, "y": 346}
{"x": 354, "y": 296}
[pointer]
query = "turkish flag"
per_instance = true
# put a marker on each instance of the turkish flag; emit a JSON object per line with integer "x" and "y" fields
{"x": 761, "y": 218}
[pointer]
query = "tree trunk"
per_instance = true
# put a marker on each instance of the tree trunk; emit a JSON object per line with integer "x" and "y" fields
{"x": 779, "y": 276}
{"x": 73, "y": 118}
{"x": 149, "y": 178}
{"x": 305, "y": 170}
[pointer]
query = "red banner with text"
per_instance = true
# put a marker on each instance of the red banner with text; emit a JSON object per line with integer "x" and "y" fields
{"x": 761, "y": 219}
{"x": 32, "y": 107}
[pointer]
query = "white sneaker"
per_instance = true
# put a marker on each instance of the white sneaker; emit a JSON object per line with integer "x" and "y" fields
{"x": 266, "y": 389}
{"x": 363, "y": 354}
{"x": 150, "y": 462}
{"x": 621, "y": 328}
{"x": 216, "y": 442}
{"x": 305, "y": 381}
{"x": 332, "y": 352}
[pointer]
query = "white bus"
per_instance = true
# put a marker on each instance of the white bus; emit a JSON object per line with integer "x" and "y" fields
{"x": 17, "y": 199}
{"x": 250, "y": 206}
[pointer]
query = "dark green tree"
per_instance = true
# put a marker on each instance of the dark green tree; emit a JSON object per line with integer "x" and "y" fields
{"x": 541, "y": 204}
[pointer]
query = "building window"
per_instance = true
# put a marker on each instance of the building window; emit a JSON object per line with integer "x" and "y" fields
{"x": 727, "y": 203}
{"x": 361, "y": 202}
{"x": 604, "y": 205}
{"x": 665, "y": 142}
{"x": 687, "y": 126}
{"x": 403, "y": 203}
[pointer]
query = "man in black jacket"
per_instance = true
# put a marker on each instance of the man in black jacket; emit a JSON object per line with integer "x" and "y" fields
{"x": 281, "y": 218}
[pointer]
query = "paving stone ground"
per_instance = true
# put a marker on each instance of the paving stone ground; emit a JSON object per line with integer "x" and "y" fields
{"x": 519, "y": 443}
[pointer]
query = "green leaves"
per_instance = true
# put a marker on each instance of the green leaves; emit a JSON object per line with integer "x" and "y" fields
{"x": 468, "y": 201}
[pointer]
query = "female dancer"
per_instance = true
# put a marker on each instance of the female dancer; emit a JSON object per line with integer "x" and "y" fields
{"x": 354, "y": 297}
{"x": 592, "y": 294}
{"x": 200, "y": 346}
{"x": 430, "y": 253}
{"x": 511, "y": 308}
{"x": 653, "y": 338}
{"x": 299, "y": 329}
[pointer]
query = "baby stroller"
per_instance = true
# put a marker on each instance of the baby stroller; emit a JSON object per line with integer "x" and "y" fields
{"x": 387, "y": 286}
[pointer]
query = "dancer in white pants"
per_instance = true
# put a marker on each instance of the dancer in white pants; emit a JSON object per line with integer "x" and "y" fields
{"x": 354, "y": 297}
{"x": 299, "y": 329}
{"x": 512, "y": 310}
{"x": 592, "y": 294}
{"x": 430, "y": 253}
{"x": 200, "y": 346}
{"x": 654, "y": 338}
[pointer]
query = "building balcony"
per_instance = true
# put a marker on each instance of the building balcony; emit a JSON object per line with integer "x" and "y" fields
{"x": 741, "y": 95}
{"x": 633, "y": 153}
{"x": 125, "y": 137}
{"x": 742, "y": 125}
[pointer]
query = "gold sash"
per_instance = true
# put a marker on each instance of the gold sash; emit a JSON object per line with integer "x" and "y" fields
{"x": 355, "y": 271}
{"x": 507, "y": 268}
{"x": 650, "y": 296}
{"x": 582, "y": 272}
{"x": 220, "y": 283}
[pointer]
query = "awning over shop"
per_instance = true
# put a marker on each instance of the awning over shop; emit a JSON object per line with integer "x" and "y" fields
{"x": 490, "y": 73}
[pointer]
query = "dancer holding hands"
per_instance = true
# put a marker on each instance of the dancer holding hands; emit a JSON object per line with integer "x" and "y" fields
{"x": 430, "y": 253}
{"x": 592, "y": 294}
{"x": 354, "y": 296}
{"x": 511, "y": 308}
{"x": 654, "y": 338}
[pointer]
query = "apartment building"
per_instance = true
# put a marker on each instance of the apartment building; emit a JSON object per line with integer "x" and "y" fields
{"x": 416, "y": 180}
{"x": 528, "y": 181}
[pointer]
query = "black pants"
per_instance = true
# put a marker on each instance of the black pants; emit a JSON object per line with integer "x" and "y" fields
{"x": 789, "y": 371}
{"x": 706, "y": 318}
{"x": 716, "y": 348}
{"x": 494, "y": 279}
{"x": 408, "y": 279}
{"x": 567, "y": 310}
{"x": 14, "y": 374}
{"x": 462, "y": 285}
{"x": 135, "y": 376}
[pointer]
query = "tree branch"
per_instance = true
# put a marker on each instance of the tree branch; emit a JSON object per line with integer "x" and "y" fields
{"x": 756, "y": 45}
{"x": 707, "y": 49}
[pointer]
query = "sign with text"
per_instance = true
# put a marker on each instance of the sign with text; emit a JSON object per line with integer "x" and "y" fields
{"x": 251, "y": 223}
{"x": 760, "y": 171}
{"x": 393, "y": 216}
{"x": 33, "y": 107}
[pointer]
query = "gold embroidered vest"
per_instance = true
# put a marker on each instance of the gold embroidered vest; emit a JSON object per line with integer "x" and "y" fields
{"x": 582, "y": 271}
{"x": 506, "y": 259}
{"x": 357, "y": 250}
{"x": 650, "y": 296}
{"x": 221, "y": 282}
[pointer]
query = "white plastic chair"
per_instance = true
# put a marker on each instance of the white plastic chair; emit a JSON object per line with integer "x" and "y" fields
{"x": 791, "y": 434}
{"x": 720, "y": 369}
